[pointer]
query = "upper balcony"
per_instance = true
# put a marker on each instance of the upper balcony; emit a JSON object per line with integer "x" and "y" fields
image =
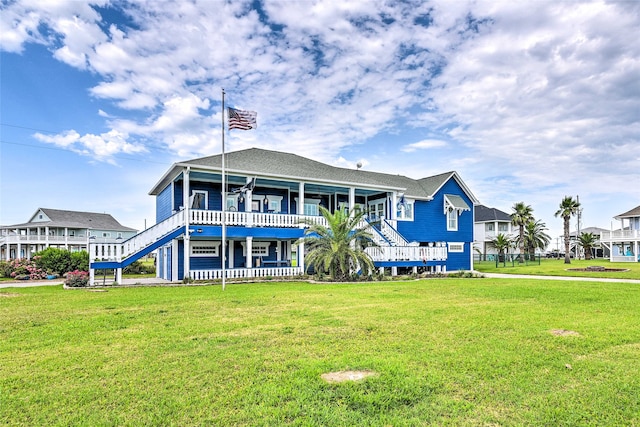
{"x": 620, "y": 236}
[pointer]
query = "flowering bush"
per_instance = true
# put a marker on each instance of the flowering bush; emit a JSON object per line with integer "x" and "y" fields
{"x": 26, "y": 267}
{"x": 77, "y": 279}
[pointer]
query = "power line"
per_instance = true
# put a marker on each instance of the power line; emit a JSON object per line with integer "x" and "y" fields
{"x": 75, "y": 152}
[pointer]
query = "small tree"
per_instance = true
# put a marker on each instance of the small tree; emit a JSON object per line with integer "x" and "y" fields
{"x": 520, "y": 216}
{"x": 501, "y": 242}
{"x": 338, "y": 248}
{"x": 588, "y": 241}
{"x": 568, "y": 208}
{"x": 535, "y": 236}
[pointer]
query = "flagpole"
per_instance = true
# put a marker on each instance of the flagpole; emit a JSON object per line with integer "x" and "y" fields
{"x": 224, "y": 205}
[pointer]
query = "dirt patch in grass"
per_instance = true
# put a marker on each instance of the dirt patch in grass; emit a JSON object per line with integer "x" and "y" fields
{"x": 598, "y": 269}
{"x": 8, "y": 295}
{"x": 564, "y": 333}
{"x": 342, "y": 376}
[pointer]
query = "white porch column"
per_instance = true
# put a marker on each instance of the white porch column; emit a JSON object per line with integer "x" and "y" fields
{"x": 352, "y": 199}
{"x": 394, "y": 207}
{"x": 119, "y": 276}
{"x": 300, "y": 207}
{"x": 187, "y": 218}
{"x": 230, "y": 258}
{"x": 66, "y": 238}
{"x": 248, "y": 259}
{"x": 92, "y": 276}
{"x": 301, "y": 257}
{"x": 278, "y": 250}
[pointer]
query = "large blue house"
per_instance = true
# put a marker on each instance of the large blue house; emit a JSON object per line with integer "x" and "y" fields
{"x": 418, "y": 225}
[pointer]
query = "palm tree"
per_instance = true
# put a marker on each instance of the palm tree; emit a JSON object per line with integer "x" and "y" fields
{"x": 338, "y": 247}
{"x": 588, "y": 241}
{"x": 568, "y": 208}
{"x": 535, "y": 236}
{"x": 520, "y": 216}
{"x": 501, "y": 242}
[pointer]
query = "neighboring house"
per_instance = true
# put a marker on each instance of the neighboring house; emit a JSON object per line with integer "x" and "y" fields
{"x": 488, "y": 223}
{"x": 59, "y": 229}
{"x": 624, "y": 243}
{"x": 599, "y": 250}
{"x": 426, "y": 223}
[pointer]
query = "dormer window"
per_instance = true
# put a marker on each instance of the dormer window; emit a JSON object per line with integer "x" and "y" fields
{"x": 453, "y": 207}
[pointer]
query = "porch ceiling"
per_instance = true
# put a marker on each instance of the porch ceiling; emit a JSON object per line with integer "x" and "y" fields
{"x": 310, "y": 188}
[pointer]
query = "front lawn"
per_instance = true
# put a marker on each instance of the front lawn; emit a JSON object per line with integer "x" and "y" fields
{"x": 444, "y": 352}
{"x": 557, "y": 267}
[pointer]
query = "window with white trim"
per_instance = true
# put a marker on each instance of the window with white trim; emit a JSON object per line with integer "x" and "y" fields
{"x": 310, "y": 207}
{"x": 456, "y": 247}
{"x": 205, "y": 249}
{"x": 404, "y": 211}
{"x": 274, "y": 204}
{"x": 452, "y": 219}
{"x": 199, "y": 199}
{"x": 257, "y": 248}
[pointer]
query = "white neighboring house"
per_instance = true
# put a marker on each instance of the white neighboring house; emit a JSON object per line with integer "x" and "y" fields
{"x": 56, "y": 228}
{"x": 599, "y": 250}
{"x": 488, "y": 223}
{"x": 624, "y": 243}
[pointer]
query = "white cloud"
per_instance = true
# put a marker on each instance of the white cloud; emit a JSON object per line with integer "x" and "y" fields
{"x": 103, "y": 147}
{"x": 424, "y": 145}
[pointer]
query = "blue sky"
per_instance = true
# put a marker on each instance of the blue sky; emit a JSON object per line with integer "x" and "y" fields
{"x": 526, "y": 101}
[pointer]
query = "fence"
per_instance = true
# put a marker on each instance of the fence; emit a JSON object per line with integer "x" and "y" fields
{"x": 507, "y": 260}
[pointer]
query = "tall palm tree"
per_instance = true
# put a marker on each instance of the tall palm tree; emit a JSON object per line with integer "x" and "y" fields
{"x": 535, "y": 236}
{"x": 588, "y": 241}
{"x": 338, "y": 248}
{"x": 568, "y": 208}
{"x": 501, "y": 242}
{"x": 520, "y": 216}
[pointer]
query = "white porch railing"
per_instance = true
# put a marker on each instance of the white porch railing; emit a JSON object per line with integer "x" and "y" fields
{"x": 110, "y": 250}
{"x": 407, "y": 253}
{"x": 392, "y": 234}
{"x": 252, "y": 219}
{"x": 246, "y": 273}
{"x": 620, "y": 235}
{"x": 622, "y": 258}
{"x": 34, "y": 238}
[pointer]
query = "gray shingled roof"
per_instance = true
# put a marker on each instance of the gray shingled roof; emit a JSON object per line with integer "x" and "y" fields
{"x": 75, "y": 219}
{"x": 257, "y": 161}
{"x": 485, "y": 214}
{"x": 632, "y": 213}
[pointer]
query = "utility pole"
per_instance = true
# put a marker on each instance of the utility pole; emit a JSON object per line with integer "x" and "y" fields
{"x": 578, "y": 235}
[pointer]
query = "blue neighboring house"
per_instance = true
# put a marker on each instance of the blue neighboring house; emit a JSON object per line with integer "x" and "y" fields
{"x": 418, "y": 225}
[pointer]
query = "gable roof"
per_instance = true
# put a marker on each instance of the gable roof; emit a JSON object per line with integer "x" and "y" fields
{"x": 75, "y": 219}
{"x": 594, "y": 230}
{"x": 276, "y": 164}
{"x": 485, "y": 214}
{"x": 629, "y": 214}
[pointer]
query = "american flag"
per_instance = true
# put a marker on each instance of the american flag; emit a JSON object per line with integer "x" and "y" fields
{"x": 240, "y": 119}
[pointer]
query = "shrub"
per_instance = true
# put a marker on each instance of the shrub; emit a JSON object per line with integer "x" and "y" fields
{"x": 54, "y": 260}
{"x": 5, "y": 269}
{"x": 26, "y": 267}
{"x": 79, "y": 261}
{"x": 77, "y": 279}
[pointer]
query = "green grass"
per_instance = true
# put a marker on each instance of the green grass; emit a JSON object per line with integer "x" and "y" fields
{"x": 447, "y": 352}
{"x": 557, "y": 267}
